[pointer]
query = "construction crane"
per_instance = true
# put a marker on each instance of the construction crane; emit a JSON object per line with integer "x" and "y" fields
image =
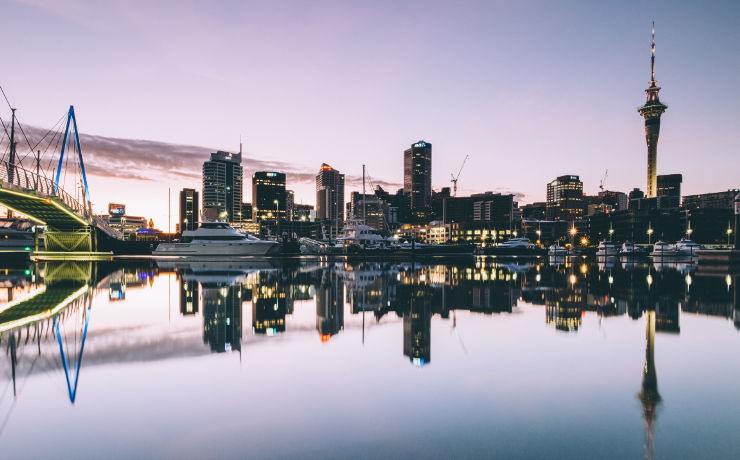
{"x": 603, "y": 180}
{"x": 454, "y": 178}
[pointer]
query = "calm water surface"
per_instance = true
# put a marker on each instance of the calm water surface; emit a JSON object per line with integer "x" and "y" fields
{"x": 317, "y": 359}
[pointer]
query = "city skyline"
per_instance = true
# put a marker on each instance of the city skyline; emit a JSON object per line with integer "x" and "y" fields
{"x": 465, "y": 101}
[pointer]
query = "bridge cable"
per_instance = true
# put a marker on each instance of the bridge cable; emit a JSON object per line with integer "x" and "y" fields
{"x": 42, "y": 138}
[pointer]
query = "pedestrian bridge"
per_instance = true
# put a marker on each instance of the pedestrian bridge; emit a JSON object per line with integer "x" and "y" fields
{"x": 69, "y": 221}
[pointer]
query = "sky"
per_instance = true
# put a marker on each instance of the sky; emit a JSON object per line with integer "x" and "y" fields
{"x": 529, "y": 89}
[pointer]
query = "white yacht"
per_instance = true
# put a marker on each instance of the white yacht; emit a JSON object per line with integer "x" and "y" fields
{"x": 686, "y": 247}
{"x": 217, "y": 239}
{"x": 629, "y": 249}
{"x": 516, "y": 243}
{"x": 555, "y": 250}
{"x": 364, "y": 236}
{"x": 663, "y": 249}
{"x": 607, "y": 249}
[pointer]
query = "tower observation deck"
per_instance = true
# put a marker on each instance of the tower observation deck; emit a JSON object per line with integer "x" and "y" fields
{"x": 651, "y": 111}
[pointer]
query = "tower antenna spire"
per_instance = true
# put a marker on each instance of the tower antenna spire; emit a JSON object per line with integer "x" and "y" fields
{"x": 240, "y": 144}
{"x": 652, "y": 57}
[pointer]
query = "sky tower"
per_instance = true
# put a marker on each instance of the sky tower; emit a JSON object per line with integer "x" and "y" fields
{"x": 651, "y": 111}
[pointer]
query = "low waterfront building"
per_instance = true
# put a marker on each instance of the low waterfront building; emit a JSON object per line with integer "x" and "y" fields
{"x": 716, "y": 200}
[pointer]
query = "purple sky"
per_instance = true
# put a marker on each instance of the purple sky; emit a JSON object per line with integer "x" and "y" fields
{"x": 530, "y": 90}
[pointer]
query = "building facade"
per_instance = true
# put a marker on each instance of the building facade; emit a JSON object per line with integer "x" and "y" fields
{"x": 565, "y": 198}
{"x": 417, "y": 178}
{"x": 717, "y": 200}
{"x": 268, "y": 197}
{"x": 189, "y": 215}
{"x": 494, "y": 208}
{"x": 669, "y": 190}
{"x": 330, "y": 198}
{"x": 222, "y": 186}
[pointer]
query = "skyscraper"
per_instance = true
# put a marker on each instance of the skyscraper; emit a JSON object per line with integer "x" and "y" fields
{"x": 222, "y": 186}
{"x": 330, "y": 196}
{"x": 188, "y": 209}
{"x": 417, "y": 178}
{"x": 651, "y": 111}
{"x": 565, "y": 198}
{"x": 669, "y": 190}
{"x": 268, "y": 196}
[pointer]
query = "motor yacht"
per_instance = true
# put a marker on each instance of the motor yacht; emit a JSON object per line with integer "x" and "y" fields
{"x": 555, "y": 250}
{"x": 663, "y": 249}
{"x": 519, "y": 243}
{"x": 217, "y": 239}
{"x": 361, "y": 235}
{"x": 16, "y": 235}
{"x": 607, "y": 249}
{"x": 686, "y": 247}
{"x": 629, "y": 249}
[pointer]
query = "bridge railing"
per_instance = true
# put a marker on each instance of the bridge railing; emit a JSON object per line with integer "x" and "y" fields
{"x": 43, "y": 186}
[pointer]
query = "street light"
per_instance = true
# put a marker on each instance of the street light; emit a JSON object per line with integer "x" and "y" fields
{"x": 729, "y": 231}
{"x": 650, "y": 234}
{"x": 573, "y": 232}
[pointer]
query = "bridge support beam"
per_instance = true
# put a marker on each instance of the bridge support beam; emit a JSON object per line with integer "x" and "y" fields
{"x": 81, "y": 241}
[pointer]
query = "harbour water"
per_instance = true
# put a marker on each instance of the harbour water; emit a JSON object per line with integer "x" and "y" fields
{"x": 312, "y": 358}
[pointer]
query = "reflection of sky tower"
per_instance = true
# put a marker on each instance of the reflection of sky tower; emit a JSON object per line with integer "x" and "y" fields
{"x": 651, "y": 111}
{"x": 649, "y": 396}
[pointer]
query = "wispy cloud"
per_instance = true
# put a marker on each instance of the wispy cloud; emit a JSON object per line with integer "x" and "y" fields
{"x": 148, "y": 160}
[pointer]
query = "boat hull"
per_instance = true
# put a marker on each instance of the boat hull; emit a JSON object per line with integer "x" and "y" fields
{"x": 257, "y": 248}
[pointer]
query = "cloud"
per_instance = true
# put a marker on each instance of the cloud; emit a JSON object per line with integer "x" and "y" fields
{"x": 148, "y": 160}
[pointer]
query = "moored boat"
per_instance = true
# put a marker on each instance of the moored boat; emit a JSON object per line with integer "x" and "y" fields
{"x": 607, "y": 249}
{"x": 663, "y": 249}
{"x": 629, "y": 249}
{"x": 217, "y": 239}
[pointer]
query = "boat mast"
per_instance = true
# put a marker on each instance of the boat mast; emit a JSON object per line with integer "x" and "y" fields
{"x": 364, "y": 197}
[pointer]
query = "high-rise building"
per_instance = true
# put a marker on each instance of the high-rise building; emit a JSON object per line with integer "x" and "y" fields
{"x": 565, "y": 198}
{"x": 330, "y": 198}
{"x": 329, "y": 194}
{"x": 222, "y": 186}
{"x": 268, "y": 197}
{"x": 289, "y": 204}
{"x": 188, "y": 209}
{"x": 669, "y": 190}
{"x": 417, "y": 178}
{"x": 651, "y": 111}
{"x": 370, "y": 208}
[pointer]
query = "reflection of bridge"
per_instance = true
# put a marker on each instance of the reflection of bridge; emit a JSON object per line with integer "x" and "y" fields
{"x": 67, "y": 289}
{"x": 71, "y": 225}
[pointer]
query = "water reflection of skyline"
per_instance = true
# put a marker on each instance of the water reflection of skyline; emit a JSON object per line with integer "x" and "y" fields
{"x": 411, "y": 293}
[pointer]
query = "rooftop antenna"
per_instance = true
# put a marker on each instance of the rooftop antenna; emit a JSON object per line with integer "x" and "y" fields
{"x": 240, "y": 144}
{"x": 652, "y": 57}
